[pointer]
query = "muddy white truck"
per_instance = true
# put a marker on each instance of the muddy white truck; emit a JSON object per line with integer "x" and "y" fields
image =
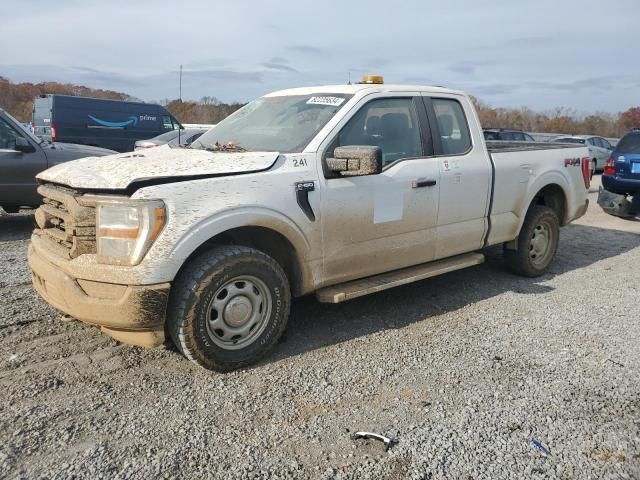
{"x": 338, "y": 191}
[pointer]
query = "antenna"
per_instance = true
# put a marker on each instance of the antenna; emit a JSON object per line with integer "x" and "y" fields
{"x": 349, "y": 73}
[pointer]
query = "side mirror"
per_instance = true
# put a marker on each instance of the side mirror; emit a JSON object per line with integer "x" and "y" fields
{"x": 22, "y": 145}
{"x": 356, "y": 160}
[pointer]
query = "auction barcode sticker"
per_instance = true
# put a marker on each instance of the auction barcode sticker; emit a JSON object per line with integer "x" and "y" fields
{"x": 333, "y": 101}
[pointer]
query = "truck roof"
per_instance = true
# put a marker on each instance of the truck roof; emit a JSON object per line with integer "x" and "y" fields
{"x": 362, "y": 87}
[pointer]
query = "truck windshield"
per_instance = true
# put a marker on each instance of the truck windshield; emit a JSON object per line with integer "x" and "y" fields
{"x": 273, "y": 124}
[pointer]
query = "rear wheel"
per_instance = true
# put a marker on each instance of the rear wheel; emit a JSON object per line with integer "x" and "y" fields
{"x": 228, "y": 308}
{"x": 537, "y": 243}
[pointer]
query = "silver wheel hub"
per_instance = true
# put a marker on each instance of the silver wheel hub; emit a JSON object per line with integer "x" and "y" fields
{"x": 540, "y": 244}
{"x": 239, "y": 312}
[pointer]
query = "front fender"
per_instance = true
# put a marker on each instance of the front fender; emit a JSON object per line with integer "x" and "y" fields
{"x": 222, "y": 222}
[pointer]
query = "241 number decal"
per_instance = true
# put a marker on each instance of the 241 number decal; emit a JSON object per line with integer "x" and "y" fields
{"x": 299, "y": 162}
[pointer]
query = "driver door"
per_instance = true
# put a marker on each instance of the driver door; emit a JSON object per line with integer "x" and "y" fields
{"x": 386, "y": 221}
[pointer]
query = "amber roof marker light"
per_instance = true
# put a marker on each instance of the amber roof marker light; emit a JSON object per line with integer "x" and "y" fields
{"x": 372, "y": 79}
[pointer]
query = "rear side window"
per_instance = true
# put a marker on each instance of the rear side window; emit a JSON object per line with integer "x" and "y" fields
{"x": 630, "y": 143}
{"x": 452, "y": 124}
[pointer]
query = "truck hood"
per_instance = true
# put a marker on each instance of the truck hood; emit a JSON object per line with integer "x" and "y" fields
{"x": 156, "y": 165}
{"x": 80, "y": 150}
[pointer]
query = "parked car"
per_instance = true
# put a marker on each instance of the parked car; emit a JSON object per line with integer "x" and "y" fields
{"x": 23, "y": 156}
{"x": 340, "y": 190}
{"x": 111, "y": 124}
{"x": 185, "y": 136}
{"x": 599, "y": 148}
{"x": 507, "y": 134}
{"x": 622, "y": 172}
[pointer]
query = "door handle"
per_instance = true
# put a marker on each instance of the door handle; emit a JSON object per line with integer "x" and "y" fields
{"x": 421, "y": 182}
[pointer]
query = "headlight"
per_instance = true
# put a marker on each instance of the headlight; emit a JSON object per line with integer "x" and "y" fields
{"x": 126, "y": 229}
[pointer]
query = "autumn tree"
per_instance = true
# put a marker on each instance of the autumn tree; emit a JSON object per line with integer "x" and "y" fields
{"x": 629, "y": 119}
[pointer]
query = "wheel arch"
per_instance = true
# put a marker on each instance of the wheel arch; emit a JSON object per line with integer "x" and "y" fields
{"x": 553, "y": 196}
{"x": 274, "y": 236}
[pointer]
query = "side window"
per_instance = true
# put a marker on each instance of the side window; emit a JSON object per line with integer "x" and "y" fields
{"x": 506, "y": 136}
{"x": 528, "y": 138}
{"x": 490, "y": 136}
{"x": 391, "y": 124}
{"x": 194, "y": 138}
{"x": 8, "y": 136}
{"x": 454, "y": 131}
{"x": 591, "y": 141}
{"x": 606, "y": 144}
{"x": 166, "y": 123}
{"x": 176, "y": 124}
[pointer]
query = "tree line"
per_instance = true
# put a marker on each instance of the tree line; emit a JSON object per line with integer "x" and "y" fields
{"x": 559, "y": 120}
{"x": 17, "y": 99}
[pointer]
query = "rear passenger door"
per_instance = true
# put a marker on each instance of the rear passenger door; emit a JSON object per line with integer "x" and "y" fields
{"x": 465, "y": 176}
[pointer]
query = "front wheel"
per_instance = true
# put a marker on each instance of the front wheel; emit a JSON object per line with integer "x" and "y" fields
{"x": 537, "y": 243}
{"x": 228, "y": 307}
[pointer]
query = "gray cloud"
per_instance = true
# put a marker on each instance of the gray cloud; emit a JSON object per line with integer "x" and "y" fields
{"x": 492, "y": 89}
{"x": 467, "y": 67}
{"x": 223, "y": 75}
{"x": 278, "y": 66}
{"x": 594, "y": 83}
{"x": 88, "y": 74}
{"x": 305, "y": 49}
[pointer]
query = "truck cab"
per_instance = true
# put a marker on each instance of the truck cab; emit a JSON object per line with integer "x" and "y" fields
{"x": 338, "y": 191}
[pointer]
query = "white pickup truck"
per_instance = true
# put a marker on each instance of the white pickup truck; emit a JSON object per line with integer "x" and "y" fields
{"x": 338, "y": 190}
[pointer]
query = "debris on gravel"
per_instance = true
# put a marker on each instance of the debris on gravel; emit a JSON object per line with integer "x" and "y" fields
{"x": 477, "y": 374}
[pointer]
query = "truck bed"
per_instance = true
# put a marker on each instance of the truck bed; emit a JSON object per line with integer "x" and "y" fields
{"x": 494, "y": 146}
{"x": 519, "y": 168}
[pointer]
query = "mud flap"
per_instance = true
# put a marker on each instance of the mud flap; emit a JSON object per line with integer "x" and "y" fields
{"x": 617, "y": 205}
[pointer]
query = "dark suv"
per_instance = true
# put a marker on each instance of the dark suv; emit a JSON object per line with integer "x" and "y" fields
{"x": 622, "y": 172}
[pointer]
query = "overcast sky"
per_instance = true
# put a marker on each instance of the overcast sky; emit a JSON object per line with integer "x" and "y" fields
{"x": 541, "y": 54}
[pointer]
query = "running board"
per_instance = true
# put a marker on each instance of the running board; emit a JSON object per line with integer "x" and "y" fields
{"x": 377, "y": 283}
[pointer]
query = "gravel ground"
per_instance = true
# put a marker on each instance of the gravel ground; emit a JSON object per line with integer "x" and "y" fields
{"x": 467, "y": 371}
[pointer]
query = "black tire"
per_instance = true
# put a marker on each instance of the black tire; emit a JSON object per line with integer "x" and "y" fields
{"x": 193, "y": 319}
{"x": 594, "y": 167}
{"x": 526, "y": 260}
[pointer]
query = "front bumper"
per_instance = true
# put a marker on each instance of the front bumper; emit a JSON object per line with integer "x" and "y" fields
{"x": 131, "y": 314}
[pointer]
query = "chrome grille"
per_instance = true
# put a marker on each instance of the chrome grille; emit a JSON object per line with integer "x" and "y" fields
{"x": 66, "y": 221}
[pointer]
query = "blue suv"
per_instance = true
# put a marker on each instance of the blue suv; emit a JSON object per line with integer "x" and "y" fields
{"x": 622, "y": 172}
